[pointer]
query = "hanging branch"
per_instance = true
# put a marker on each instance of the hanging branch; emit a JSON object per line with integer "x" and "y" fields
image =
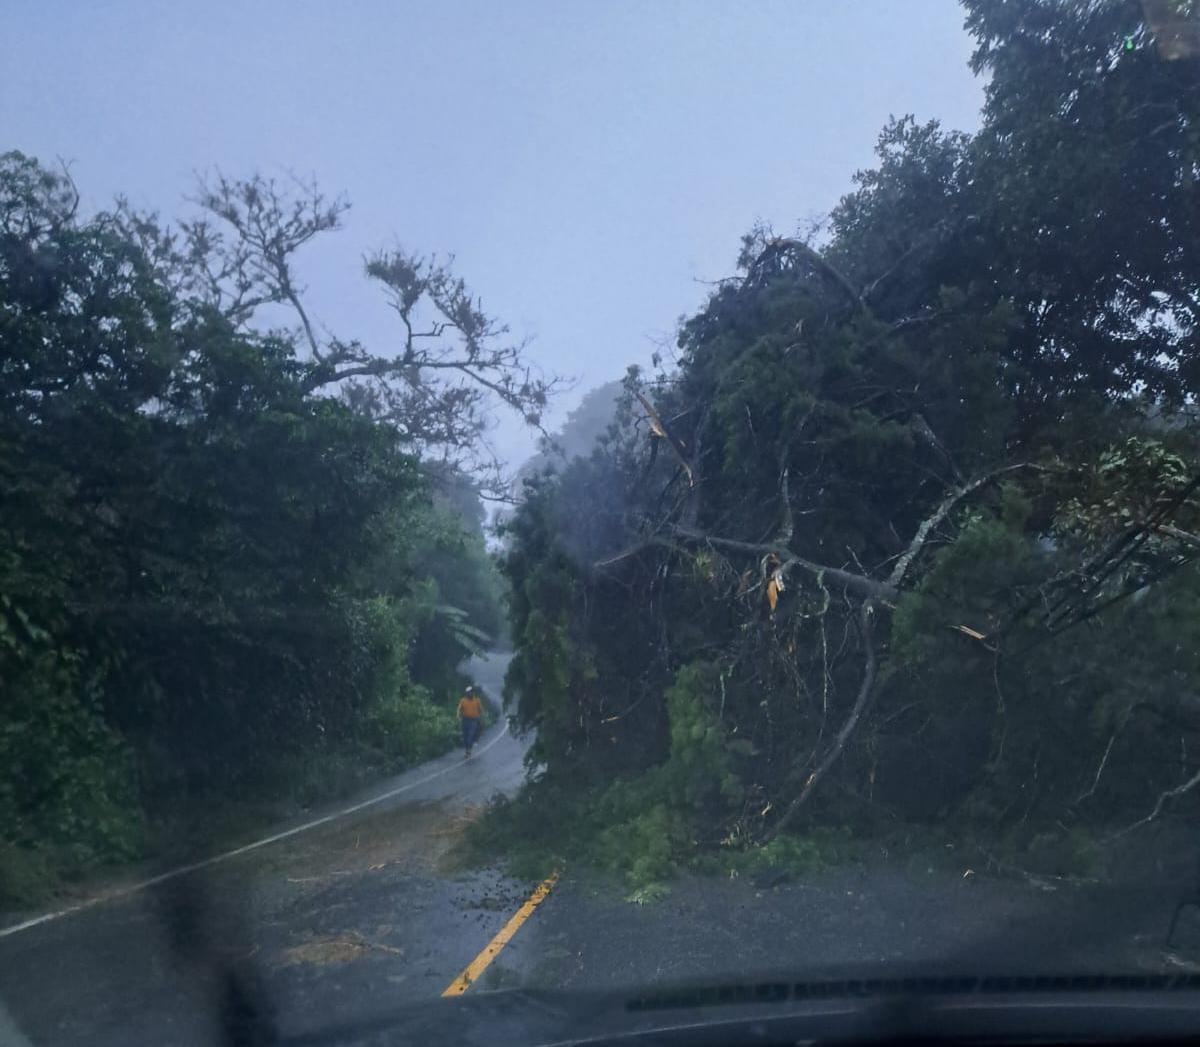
{"x": 857, "y": 584}
{"x": 1179, "y": 535}
{"x": 780, "y": 249}
{"x": 862, "y": 699}
{"x": 902, "y": 565}
{"x": 660, "y": 430}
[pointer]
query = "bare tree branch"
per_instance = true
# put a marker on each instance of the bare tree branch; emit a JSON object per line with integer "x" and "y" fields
{"x": 1179, "y": 535}
{"x": 921, "y": 241}
{"x": 69, "y": 180}
{"x": 856, "y": 584}
{"x": 1091, "y": 789}
{"x": 269, "y": 226}
{"x": 454, "y": 364}
{"x": 1163, "y": 797}
{"x": 925, "y": 431}
{"x": 788, "y": 526}
{"x": 870, "y": 667}
{"x": 896, "y": 579}
{"x": 781, "y": 249}
{"x": 660, "y": 430}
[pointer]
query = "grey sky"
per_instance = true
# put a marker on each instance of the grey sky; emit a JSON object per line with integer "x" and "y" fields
{"x": 588, "y": 163}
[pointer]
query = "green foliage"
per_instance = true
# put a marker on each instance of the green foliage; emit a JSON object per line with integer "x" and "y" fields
{"x": 643, "y": 827}
{"x": 643, "y": 842}
{"x": 214, "y": 581}
{"x": 1129, "y": 484}
{"x": 972, "y": 405}
{"x": 978, "y": 581}
{"x": 24, "y": 873}
{"x": 699, "y": 772}
{"x": 648, "y": 895}
{"x": 68, "y": 796}
{"x": 791, "y": 857}
{"x": 69, "y": 780}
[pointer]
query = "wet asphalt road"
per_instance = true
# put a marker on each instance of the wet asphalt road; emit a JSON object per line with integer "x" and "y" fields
{"x": 358, "y": 916}
{"x": 855, "y": 921}
{"x": 361, "y": 918}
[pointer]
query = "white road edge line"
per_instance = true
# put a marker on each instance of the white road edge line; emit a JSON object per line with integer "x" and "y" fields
{"x": 275, "y": 838}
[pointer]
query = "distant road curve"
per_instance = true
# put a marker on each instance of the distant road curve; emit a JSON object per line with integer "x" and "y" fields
{"x": 488, "y": 672}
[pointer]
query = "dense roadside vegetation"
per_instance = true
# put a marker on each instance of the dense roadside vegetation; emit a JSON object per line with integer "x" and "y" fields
{"x": 237, "y": 560}
{"x": 907, "y": 542}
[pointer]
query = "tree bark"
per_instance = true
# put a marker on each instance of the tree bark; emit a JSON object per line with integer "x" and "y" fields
{"x": 940, "y": 513}
{"x": 856, "y": 584}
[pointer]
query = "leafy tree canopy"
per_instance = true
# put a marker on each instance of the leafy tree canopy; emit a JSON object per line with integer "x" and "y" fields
{"x": 913, "y": 523}
{"x": 220, "y": 551}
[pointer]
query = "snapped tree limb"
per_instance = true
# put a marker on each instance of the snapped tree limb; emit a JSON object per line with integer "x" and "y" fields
{"x": 858, "y": 585}
{"x": 778, "y": 250}
{"x": 862, "y": 699}
{"x": 896, "y": 579}
{"x": 660, "y": 431}
{"x": 1179, "y": 535}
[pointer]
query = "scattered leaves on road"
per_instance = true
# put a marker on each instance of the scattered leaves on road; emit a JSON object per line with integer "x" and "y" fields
{"x": 339, "y": 949}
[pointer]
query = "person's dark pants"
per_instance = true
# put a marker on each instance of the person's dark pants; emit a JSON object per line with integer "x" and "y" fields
{"x": 470, "y": 731}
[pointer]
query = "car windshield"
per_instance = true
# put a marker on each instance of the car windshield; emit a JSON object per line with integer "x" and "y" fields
{"x": 589, "y": 499}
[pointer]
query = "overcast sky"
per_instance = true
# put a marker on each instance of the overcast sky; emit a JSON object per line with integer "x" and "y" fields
{"x": 589, "y": 164}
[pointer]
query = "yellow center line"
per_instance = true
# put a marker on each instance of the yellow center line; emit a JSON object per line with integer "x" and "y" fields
{"x": 490, "y": 951}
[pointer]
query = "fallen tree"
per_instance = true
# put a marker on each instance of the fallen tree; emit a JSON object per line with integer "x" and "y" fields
{"x": 911, "y": 522}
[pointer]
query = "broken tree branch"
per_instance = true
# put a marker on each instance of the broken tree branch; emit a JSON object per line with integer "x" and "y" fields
{"x": 918, "y": 244}
{"x": 1091, "y": 789}
{"x": 870, "y": 667}
{"x": 856, "y": 584}
{"x": 660, "y": 430}
{"x": 1163, "y": 797}
{"x": 925, "y": 431}
{"x": 1100, "y": 567}
{"x": 781, "y": 247}
{"x": 1179, "y": 534}
{"x": 940, "y": 513}
{"x": 788, "y": 527}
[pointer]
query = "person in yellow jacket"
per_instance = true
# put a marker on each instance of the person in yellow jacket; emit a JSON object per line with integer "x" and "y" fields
{"x": 470, "y": 718}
